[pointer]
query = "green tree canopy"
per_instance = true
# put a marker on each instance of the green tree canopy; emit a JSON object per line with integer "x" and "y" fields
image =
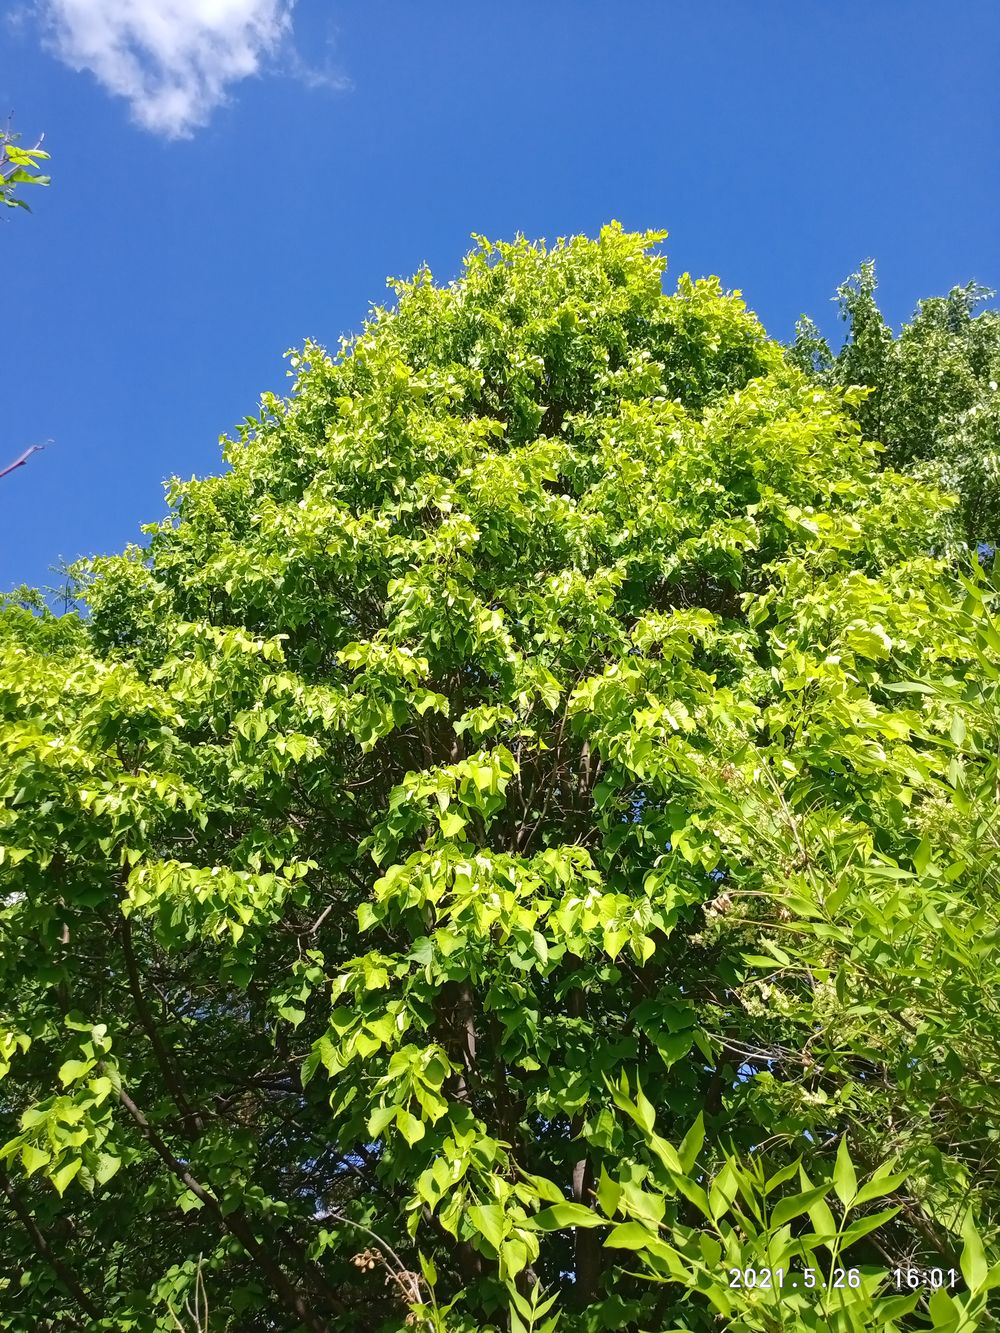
{"x": 934, "y": 401}
{"x": 552, "y": 739}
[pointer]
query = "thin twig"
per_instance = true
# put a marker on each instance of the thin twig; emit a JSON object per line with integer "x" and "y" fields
{"x": 20, "y": 462}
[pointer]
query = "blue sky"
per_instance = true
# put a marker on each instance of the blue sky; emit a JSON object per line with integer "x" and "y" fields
{"x": 232, "y": 176}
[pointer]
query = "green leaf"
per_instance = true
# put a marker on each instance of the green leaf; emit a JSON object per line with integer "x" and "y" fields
{"x": 562, "y": 1215}
{"x": 944, "y": 1311}
{"x": 489, "y": 1221}
{"x": 629, "y": 1236}
{"x": 546, "y": 1189}
{"x": 452, "y": 824}
{"x": 723, "y": 1191}
{"x": 107, "y": 1166}
{"x": 795, "y": 1205}
{"x": 367, "y": 917}
{"x": 973, "y": 1258}
{"x": 896, "y": 1307}
{"x": 780, "y": 1177}
{"x": 823, "y": 1220}
{"x": 513, "y": 1257}
{"x": 61, "y": 1178}
{"x": 608, "y": 1193}
{"x": 380, "y": 1117}
{"x": 864, "y": 1225}
{"x": 879, "y": 1186}
{"x": 73, "y": 1070}
{"x": 691, "y": 1144}
{"x": 33, "y": 1159}
{"x": 845, "y": 1181}
{"x": 922, "y": 856}
{"x": 412, "y": 1129}
{"x": 694, "y": 1193}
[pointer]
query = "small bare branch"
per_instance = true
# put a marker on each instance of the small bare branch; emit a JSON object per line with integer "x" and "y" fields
{"x": 20, "y": 462}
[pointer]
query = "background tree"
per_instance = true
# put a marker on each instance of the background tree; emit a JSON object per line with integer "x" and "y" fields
{"x": 934, "y": 401}
{"x": 554, "y": 699}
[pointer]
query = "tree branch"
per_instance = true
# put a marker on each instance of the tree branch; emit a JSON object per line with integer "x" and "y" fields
{"x": 43, "y": 1248}
{"x": 20, "y": 462}
{"x": 237, "y": 1224}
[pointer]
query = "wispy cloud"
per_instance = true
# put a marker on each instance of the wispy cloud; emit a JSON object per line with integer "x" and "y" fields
{"x": 173, "y": 60}
{"x": 325, "y": 73}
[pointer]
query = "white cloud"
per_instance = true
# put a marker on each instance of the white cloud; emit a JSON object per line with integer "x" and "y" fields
{"x": 325, "y": 73}
{"x": 174, "y": 60}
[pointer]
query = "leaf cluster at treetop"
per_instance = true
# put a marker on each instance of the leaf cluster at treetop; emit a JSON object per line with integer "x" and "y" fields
{"x": 518, "y": 844}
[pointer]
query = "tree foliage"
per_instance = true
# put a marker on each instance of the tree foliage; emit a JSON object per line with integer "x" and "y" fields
{"x": 553, "y": 739}
{"x": 934, "y": 402}
{"x": 18, "y": 166}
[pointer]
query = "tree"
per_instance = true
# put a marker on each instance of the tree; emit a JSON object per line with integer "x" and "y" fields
{"x": 551, "y": 740}
{"x": 934, "y": 402}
